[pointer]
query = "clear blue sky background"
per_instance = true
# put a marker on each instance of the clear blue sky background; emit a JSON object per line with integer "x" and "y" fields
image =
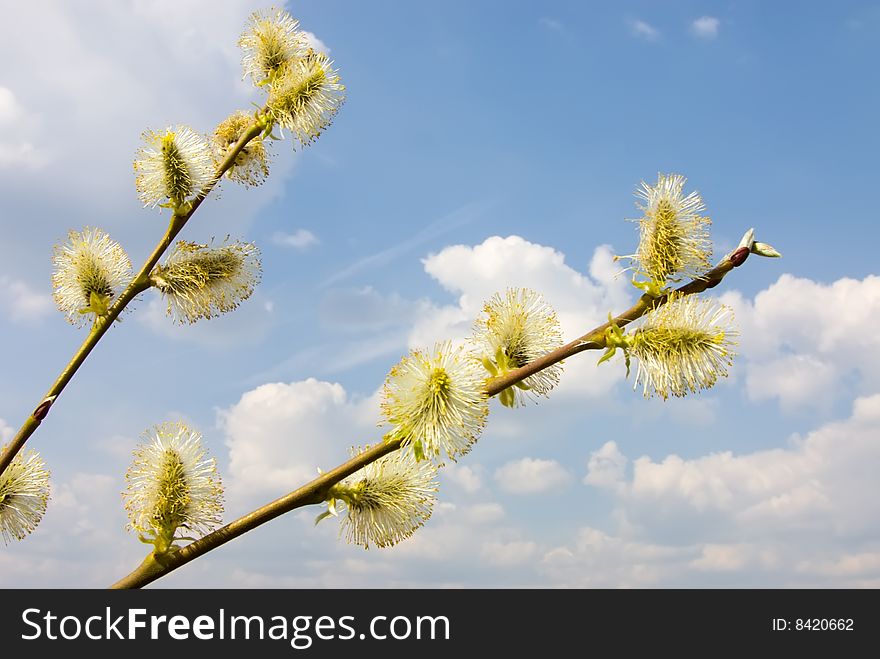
{"x": 464, "y": 121}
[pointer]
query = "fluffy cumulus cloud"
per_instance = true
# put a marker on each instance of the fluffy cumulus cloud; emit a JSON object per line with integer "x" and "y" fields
{"x": 799, "y": 511}
{"x": 582, "y": 301}
{"x": 723, "y": 518}
{"x": 467, "y": 478}
{"x": 806, "y": 513}
{"x": 72, "y": 79}
{"x": 805, "y": 342}
{"x": 464, "y": 544}
{"x": 607, "y": 468}
{"x": 819, "y": 483}
{"x": 279, "y": 434}
{"x": 81, "y": 542}
{"x": 595, "y": 559}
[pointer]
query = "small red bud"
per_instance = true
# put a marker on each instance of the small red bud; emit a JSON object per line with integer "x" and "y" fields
{"x": 43, "y": 408}
{"x": 739, "y": 256}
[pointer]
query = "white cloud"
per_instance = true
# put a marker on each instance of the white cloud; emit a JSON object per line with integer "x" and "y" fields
{"x": 860, "y": 565}
{"x": 461, "y": 546}
{"x": 437, "y": 543}
{"x": 96, "y": 80}
{"x": 509, "y": 554}
{"x": 73, "y": 64}
{"x": 16, "y": 150}
{"x": 596, "y": 559}
{"x": 705, "y": 27}
{"x": 795, "y": 380}
{"x": 21, "y": 302}
{"x": 482, "y": 513}
{"x": 779, "y": 516}
{"x": 76, "y": 498}
{"x": 85, "y": 518}
{"x": 644, "y": 30}
{"x": 513, "y": 261}
{"x": 465, "y": 477}
{"x": 606, "y": 468}
{"x": 279, "y": 434}
{"x": 801, "y": 340}
{"x": 10, "y": 110}
{"x": 300, "y": 239}
{"x": 315, "y": 43}
{"x": 531, "y": 476}
{"x": 475, "y": 273}
{"x": 735, "y": 557}
{"x": 806, "y": 511}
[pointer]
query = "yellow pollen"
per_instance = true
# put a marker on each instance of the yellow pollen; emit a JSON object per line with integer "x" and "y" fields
{"x": 439, "y": 382}
{"x": 665, "y": 212}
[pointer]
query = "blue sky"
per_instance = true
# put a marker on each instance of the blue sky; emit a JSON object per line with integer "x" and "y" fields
{"x": 481, "y": 145}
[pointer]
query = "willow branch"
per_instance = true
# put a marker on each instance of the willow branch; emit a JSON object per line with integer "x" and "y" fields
{"x": 138, "y": 284}
{"x": 595, "y": 338}
{"x": 316, "y": 491}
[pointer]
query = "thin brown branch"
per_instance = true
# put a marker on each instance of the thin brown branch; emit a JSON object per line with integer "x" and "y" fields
{"x": 316, "y": 491}
{"x": 137, "y": 285}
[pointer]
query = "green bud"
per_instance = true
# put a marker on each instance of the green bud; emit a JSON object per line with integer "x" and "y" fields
{"x": 763, "y": 249}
